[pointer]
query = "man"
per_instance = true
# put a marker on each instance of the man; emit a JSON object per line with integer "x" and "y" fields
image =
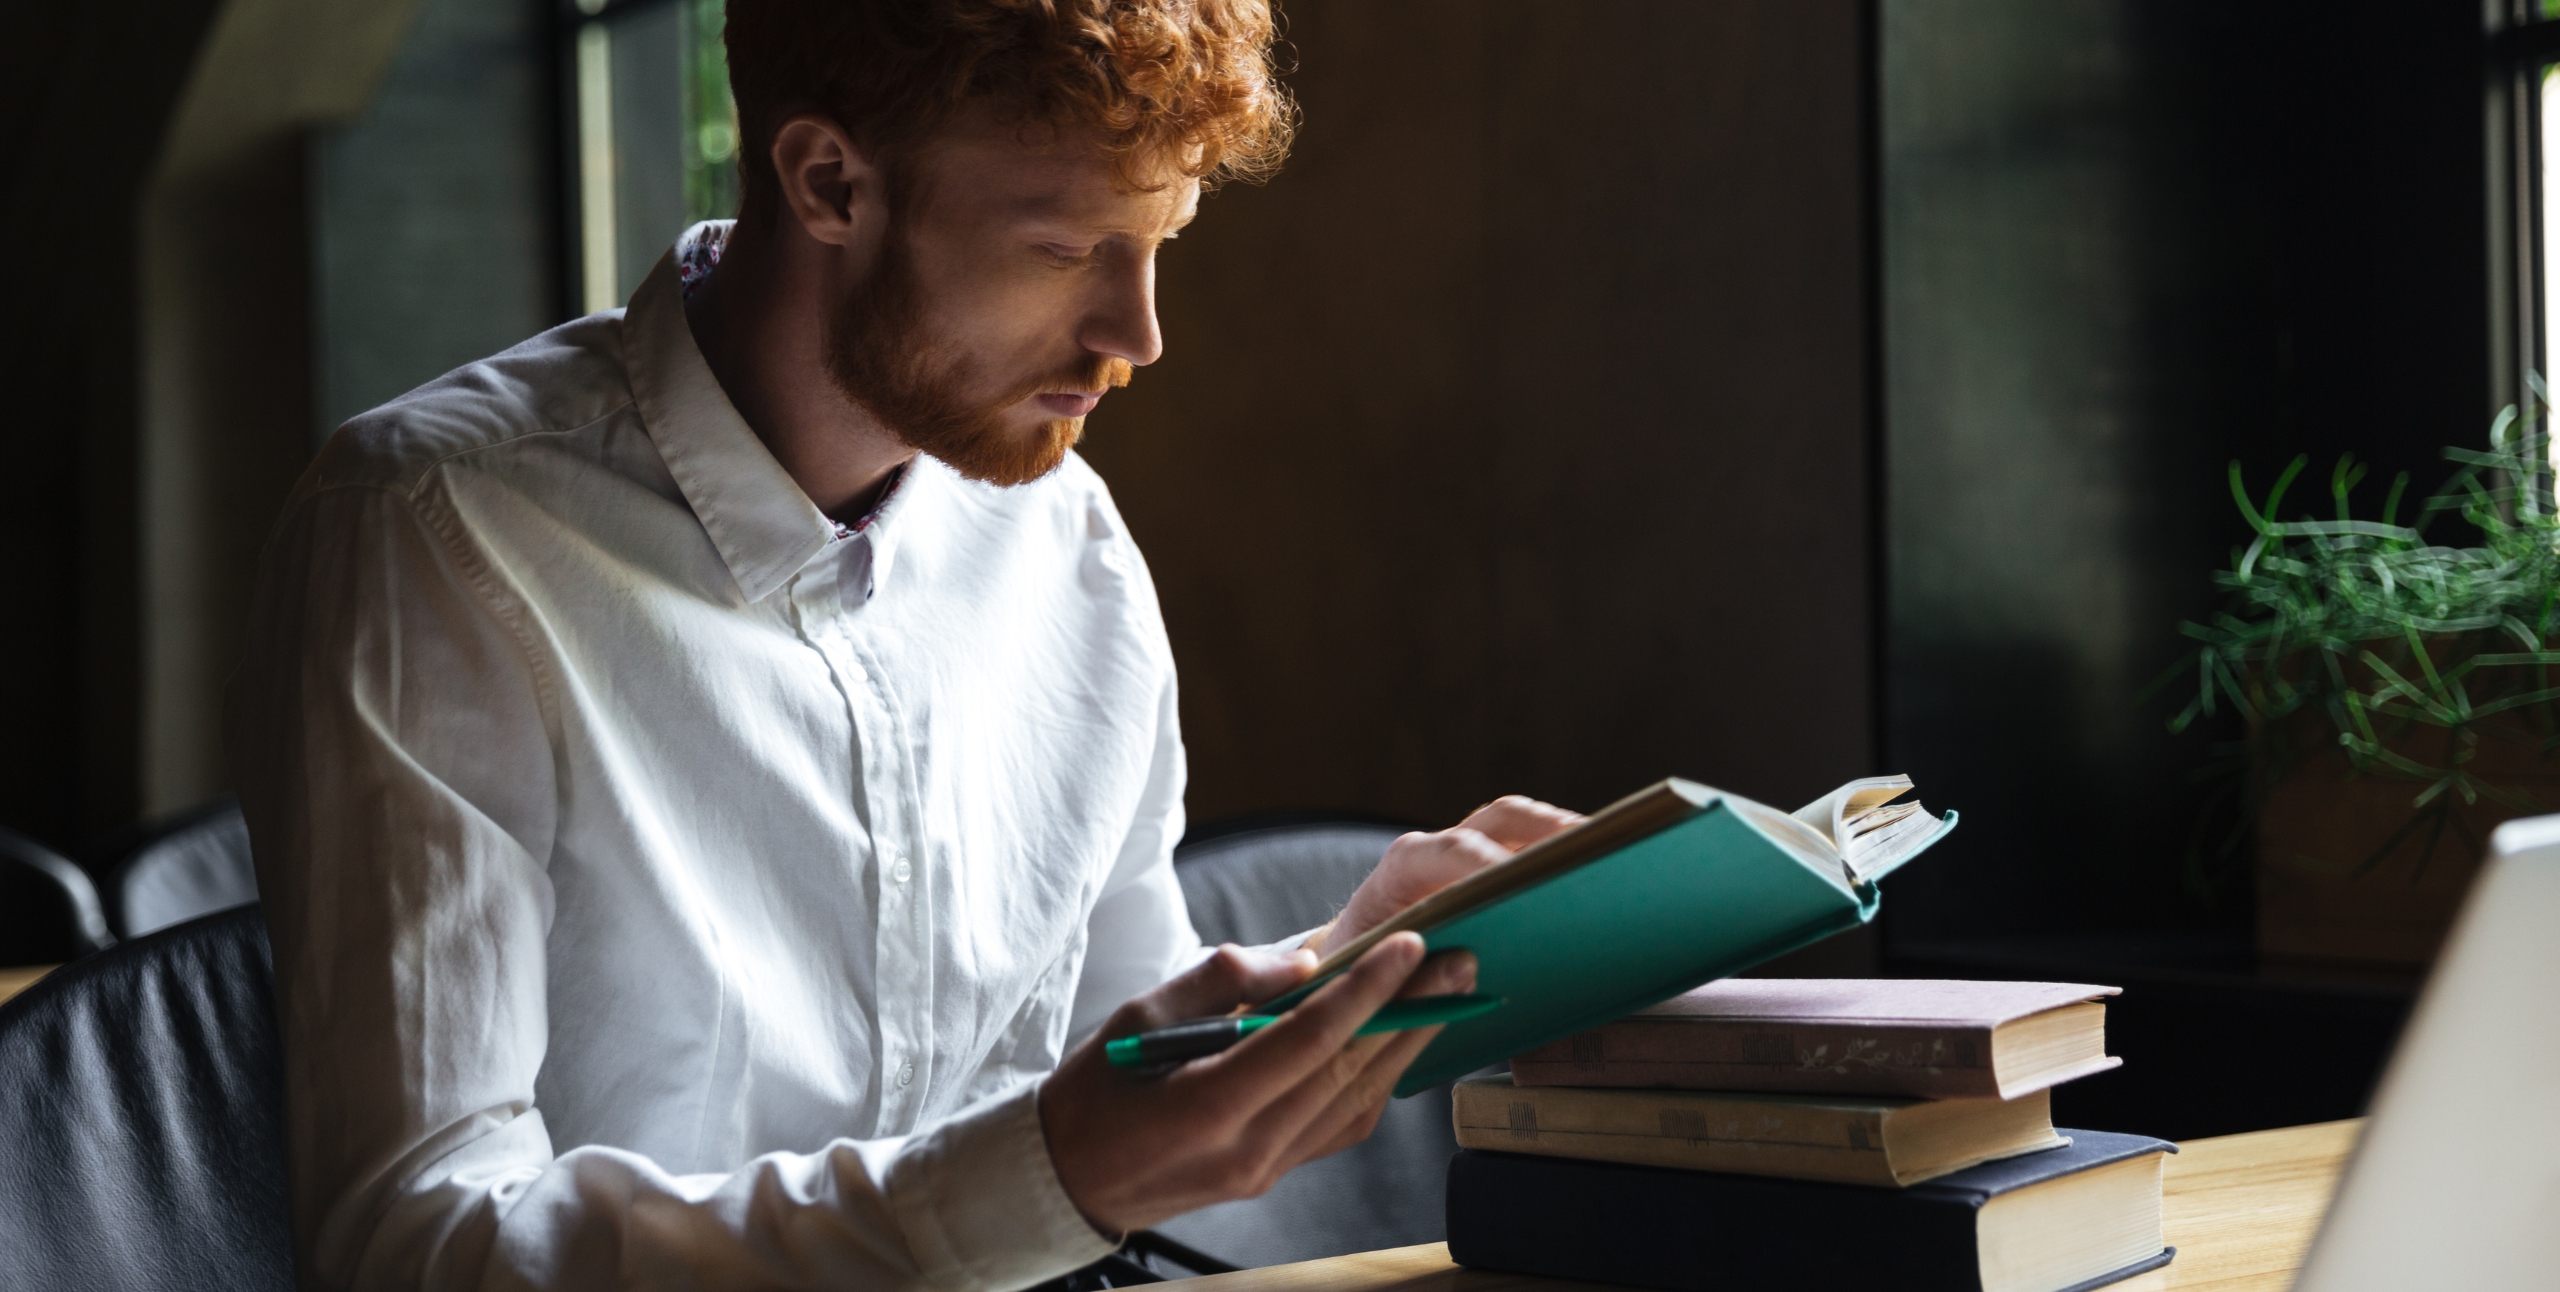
{"x": 711, "y": 763}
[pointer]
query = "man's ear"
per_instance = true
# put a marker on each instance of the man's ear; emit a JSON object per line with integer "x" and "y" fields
{"x": 838, "y": 196}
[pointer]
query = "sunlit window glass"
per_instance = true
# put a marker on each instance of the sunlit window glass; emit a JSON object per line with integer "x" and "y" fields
{"x": 711, "y": 117}
{"x": 656, "y": 135}
{"x": 2549, "y": 234}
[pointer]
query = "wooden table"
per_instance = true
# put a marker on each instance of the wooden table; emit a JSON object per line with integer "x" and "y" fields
{"x": 18, "y": 978}
{"x": 2240, "y": 1209}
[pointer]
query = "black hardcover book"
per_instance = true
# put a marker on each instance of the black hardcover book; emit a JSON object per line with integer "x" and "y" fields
{"x": 2062, "y": 1220}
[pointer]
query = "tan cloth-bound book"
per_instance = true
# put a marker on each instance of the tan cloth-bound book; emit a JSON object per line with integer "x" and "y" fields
{"x": 1925, "y": 1038}
{"x": 1842, "y": 1139}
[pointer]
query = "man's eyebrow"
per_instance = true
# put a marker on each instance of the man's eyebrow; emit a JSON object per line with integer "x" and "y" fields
{"x": 1051, "y": 214}
{"x": 1101, "y": 229}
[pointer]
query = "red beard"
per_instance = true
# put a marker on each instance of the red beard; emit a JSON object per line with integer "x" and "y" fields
{"x": 881, "y": 356}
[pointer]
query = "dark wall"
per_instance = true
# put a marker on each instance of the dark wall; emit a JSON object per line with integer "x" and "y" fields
{"x": 437, "y": 218}
{"x": 228, "y": 343}
{"x": 1514, "y": 438}
{"x": 91, "y": 98}
{"x": 2127, "y": 242}
{"x": 293, "y": 280}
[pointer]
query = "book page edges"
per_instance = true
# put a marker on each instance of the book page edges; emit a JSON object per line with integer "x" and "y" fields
{"x": 1946, "y": 826}
{"x": 1824, "y": 815}
{"x": 2041, "y": 997}
{"x": 2052, "y": 1140}
{"x": 1818, "y": 1164}
{"x": 1784, "y": 1160}
{"x": 2048, "y": 1080}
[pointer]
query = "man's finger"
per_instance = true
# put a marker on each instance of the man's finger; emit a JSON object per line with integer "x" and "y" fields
{"x": 1354, "y": 1124}
{"x": 1515, "y": 821}
{"x": 1357, "y": 1083}
{"x": 1231, "y": 976}
{"x": 1431, "y": 862}
{"x": 1332, "y": 1119}
{"x": 1340, "y": 1115}
{"x": 1272, "y": 1061}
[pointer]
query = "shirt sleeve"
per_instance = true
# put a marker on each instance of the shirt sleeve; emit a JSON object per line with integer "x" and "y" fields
{"x": 395, "y": 755}
{"x": 1140, "y": 931}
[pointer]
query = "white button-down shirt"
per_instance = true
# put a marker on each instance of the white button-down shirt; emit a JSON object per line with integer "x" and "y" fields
{"x": 669, "y": 889}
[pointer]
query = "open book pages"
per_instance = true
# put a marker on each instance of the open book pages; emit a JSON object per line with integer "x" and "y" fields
{"x": 1856, "y": 829}
{"x": 1878, "y": 843}
{"x": 1670, "y": 887}
{"x": 1866, "y": 828}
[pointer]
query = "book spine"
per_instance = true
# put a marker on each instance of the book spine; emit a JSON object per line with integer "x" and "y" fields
{"x": 1691, "y": 1231}
{"x": 1690, "y": 1132}
{"x": 1790, "y": 1058}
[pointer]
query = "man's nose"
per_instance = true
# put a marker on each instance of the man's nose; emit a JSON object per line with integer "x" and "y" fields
{"x": 1122, "y": 321}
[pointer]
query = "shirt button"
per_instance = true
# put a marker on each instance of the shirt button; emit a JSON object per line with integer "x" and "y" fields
{"x": 906, "y": 1074}
{"x": 902, "y": 870}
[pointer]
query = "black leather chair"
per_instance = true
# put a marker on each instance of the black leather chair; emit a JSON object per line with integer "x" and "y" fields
{"x": 177, "y": 869}
{"x": 141, "y": 1127}
{"x": 49, "y": 911}
{"x": 1259, "y": 884}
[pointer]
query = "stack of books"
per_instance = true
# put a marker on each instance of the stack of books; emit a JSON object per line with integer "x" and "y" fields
{"x": 1811, "y": 1134}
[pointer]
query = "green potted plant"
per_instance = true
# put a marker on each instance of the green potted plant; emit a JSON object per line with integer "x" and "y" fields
{"x": 2397, "y": 693}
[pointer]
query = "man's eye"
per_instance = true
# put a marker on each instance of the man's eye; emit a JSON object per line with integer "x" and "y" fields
{"x": 1066, "y": 255}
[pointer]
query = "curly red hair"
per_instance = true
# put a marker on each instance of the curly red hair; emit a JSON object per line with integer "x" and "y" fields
{"x": 1176, "y": 87}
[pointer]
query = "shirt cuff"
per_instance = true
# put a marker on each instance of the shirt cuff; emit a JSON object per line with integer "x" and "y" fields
{"x": 981, "y": 1202}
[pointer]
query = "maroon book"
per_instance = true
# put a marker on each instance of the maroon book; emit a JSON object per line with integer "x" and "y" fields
{"x": 1926, "y": 1038}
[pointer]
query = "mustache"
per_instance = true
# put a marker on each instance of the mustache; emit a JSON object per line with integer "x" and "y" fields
{"x": 1092, "y": 374}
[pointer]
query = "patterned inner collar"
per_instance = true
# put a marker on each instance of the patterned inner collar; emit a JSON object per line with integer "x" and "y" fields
{"x": 699, "y": 250}
{"x": 863, "y": 522}
{"x": 697, "y": 254}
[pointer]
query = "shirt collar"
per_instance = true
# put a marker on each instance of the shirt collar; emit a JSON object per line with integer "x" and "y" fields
{"x": 763, "y": 526}
{"x": 897, "y": 480}
{"x": 696, "y": 254}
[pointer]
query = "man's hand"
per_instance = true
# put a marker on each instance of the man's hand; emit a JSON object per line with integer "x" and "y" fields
{"x": 1134, "y": 1149}
{"x": 1419, "y": 864}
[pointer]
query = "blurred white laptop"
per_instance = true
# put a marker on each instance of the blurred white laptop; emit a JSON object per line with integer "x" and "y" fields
{"x": 2456, "y": 1183}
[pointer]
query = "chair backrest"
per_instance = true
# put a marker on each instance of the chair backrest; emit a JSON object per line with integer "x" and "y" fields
{"x": 1259, "y": 886}
{"x": 141, "y": 1119}
{"x": 183, "y": 868}
{"x": 1266, "y": 882}
{"x": 49, "y": 911}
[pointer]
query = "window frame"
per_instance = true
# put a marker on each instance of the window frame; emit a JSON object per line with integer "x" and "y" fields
{"x": 2523, "y": 46}
{"x": 590, "y": 155}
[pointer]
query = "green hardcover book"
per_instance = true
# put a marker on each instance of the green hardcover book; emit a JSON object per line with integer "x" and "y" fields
{"x": 1670, "y": 887}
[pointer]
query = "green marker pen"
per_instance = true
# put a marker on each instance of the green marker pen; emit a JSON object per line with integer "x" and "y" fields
{"x": 1205, "y": 1036}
